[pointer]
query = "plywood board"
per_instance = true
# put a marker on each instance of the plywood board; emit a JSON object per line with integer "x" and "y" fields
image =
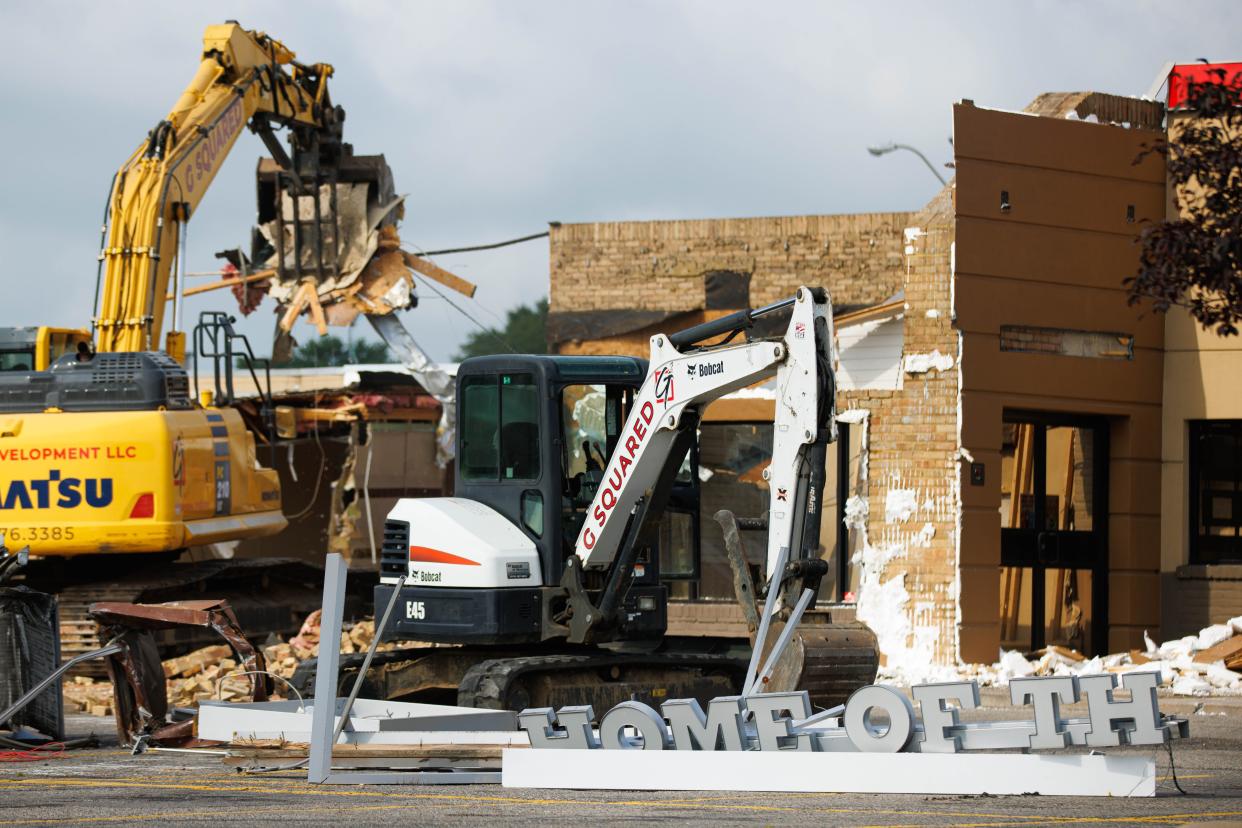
{"x": 1229, "y": 650}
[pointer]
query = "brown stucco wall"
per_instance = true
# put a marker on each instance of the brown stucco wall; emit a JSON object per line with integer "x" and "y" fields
{"x": 1056, "y": 258}
{"x": 1201, "y": 382}
{"x": 930, "y": 573}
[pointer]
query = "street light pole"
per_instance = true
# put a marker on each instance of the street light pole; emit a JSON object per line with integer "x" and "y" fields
{"x": 892, "y": 147}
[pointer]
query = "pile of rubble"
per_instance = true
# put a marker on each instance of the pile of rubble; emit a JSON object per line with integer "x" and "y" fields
{"x": 1209, "y": 663}
{"x": 214, "y": 673}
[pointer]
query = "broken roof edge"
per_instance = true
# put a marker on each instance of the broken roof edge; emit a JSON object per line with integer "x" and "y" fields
{"x": 893, "y": 306}
{"x": 686, "y": 228}
{"x": 353, "y": 375}
{"x": 1104, "y": 107}
{"x": 570, "y": 326}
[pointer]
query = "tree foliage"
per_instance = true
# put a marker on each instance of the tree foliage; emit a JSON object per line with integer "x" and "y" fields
{"x": 1195, "y": 260}
{"x": 331, "y": 351}
{"x": 525, "y": 332}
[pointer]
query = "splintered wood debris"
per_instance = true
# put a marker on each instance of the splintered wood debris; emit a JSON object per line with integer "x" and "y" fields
{"x": 214, "y": 673}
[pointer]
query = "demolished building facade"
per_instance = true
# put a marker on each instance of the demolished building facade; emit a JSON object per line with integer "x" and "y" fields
{"x": 998, "y": 481}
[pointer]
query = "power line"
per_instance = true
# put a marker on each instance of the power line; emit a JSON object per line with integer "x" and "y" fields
{"x": 500, "y": 322}
{"x": 532, "y": 237}
{"x": 489, "y": 331}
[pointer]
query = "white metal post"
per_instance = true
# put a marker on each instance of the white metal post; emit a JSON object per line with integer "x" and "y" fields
{"x": 323, "y": 715}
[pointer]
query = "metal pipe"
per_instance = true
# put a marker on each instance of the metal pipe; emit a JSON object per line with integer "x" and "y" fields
{"x": 782, "y": 642}
{"x": 103, "y": 252}
{"x": 366, "y": 662}
{"x": 773, "y": 308}
{"x": 32, "y": 693}
{"x": 769, "y": 608}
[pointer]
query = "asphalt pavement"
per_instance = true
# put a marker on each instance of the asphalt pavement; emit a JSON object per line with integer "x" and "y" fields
{"x": 109, "y": 785}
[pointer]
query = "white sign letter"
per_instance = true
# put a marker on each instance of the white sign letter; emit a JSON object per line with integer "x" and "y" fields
{"x": 720, "y": 729}
{"x": 870, "y": 738}
{"x": 638, "y": 716}
{"x": 1045, "y": 693}
{"x": 1142, "y": 709}
{"x": 773, "y": 730}
{"x": 936, "y": 716}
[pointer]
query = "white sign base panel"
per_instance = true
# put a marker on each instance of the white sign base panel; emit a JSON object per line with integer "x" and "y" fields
{"x": 914, "y": 773}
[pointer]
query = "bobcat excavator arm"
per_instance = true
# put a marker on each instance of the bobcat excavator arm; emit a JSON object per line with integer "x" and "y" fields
{"x": 245, "y": 78}
{"x": 683, "y": 378}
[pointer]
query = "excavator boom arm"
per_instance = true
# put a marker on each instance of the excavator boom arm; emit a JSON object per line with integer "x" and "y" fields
{"x": 683, "y": 381}
{"x": 245, "y": 77}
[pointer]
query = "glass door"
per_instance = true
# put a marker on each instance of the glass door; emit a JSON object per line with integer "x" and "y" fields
{"x": 1054, "y": 544}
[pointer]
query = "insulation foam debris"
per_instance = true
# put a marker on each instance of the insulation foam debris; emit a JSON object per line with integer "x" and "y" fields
{"x": 900, "y": 505}
{"x": 1175, "y": 660}
{"x": 922, "y": 363}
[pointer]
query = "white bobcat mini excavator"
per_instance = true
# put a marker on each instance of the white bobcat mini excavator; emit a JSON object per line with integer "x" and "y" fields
{"x": 545, "y": 566}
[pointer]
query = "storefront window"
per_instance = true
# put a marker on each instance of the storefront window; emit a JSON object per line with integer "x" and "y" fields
{"x": 1216, "y": 491}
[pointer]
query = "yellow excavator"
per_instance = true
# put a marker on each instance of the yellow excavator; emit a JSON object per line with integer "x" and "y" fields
{"x": 107, "y": 459}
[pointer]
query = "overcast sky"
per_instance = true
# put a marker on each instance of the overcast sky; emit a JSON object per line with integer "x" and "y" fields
{"x": 498, "y": 117}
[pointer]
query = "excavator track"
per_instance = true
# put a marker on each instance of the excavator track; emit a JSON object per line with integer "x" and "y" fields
{"x": 601, "y": 680}
{"x": 830, "y": 661}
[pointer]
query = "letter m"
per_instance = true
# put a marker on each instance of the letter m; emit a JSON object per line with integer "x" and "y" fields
{"x": 720, "y": 729}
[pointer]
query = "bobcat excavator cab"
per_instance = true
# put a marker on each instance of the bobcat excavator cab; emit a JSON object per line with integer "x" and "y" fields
{"x": 533, "y": 432}
{"x": 551, "y": 546}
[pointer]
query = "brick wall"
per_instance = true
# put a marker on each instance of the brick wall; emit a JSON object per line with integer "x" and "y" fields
{"x": 907, "y": 564}
{"x": 659, "y": 265}
{"x": 1198, "y": 596}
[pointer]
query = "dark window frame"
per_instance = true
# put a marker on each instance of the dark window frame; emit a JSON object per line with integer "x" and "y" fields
{"x": 501, "y": 382}
{"x": 1198, "y": 554}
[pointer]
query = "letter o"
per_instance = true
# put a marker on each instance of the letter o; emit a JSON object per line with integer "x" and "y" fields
{"x": 637, "y": 715}
{"x": 869, "y": 739}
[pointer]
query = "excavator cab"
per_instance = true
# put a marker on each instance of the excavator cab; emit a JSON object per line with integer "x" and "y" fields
{"x": 35, "y": 349}
{"x": 535, "y": 434}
